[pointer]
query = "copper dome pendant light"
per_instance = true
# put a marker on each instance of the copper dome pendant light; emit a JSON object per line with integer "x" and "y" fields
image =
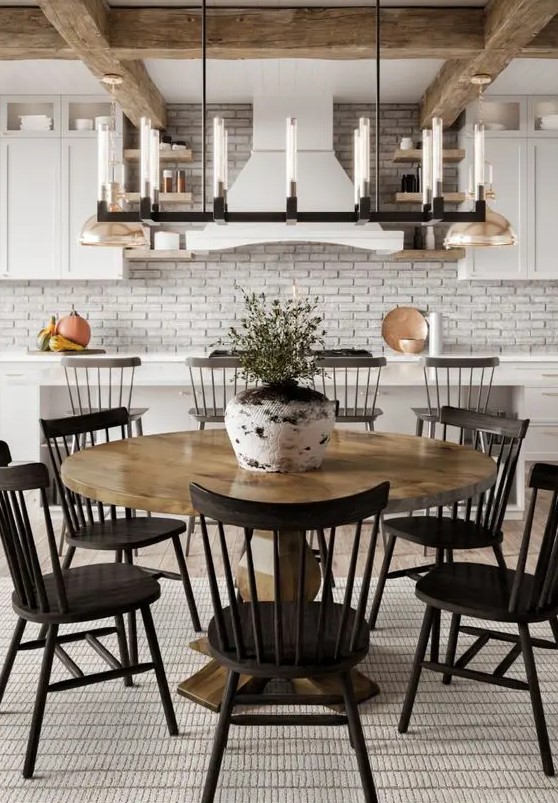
{"x": 495, "y": 231}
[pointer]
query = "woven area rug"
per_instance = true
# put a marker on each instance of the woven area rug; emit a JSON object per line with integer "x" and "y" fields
{"x": 468, "y": 743}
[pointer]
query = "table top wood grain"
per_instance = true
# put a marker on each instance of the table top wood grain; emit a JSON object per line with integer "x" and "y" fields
{"x": 153, "y": 472}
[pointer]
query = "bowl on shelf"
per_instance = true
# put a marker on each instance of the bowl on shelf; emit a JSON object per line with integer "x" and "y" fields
{"x": 412, "y": 345}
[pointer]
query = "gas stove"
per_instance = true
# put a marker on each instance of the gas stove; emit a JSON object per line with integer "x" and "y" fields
{"x": 324, "y": 353}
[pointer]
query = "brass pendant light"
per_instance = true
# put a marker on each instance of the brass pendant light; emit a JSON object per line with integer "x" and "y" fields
{"x": 112, "y": 234}
{"x": 495, "y": 231}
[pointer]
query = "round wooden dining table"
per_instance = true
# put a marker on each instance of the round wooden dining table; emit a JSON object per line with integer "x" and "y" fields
{"x": 153, "y": 473}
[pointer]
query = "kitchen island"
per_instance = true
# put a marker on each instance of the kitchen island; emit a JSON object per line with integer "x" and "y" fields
{"x": 33, "y": 386}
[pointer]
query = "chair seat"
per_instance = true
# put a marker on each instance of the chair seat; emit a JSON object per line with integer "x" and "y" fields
{"x": 310, "y": 663}
{"x": 430, "y": 531}
{"x": 134, "y": 413}
{"x": 217, "y": 417}
{"x": 352, "y": 416}
{"x": 126, "y": 533}
{"x": 94, "y": 592}
{"x": 426, "y": 414}
{"x": 479, "y": 590}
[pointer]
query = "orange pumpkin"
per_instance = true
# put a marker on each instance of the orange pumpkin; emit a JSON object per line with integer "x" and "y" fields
{"x": 75, "y": 328}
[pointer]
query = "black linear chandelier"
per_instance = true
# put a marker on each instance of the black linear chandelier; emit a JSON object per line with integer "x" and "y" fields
{"x": 433, "y": 210}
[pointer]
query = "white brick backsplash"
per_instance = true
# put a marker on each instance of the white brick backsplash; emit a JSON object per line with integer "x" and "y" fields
{"x": 167, "y": 306}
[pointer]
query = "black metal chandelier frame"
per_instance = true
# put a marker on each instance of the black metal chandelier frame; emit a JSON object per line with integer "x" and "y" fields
{"x": 149, "y": 213}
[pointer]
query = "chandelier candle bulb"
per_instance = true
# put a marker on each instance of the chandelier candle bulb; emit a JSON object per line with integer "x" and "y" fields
{"x": 356, "y": 165}
{"x": 437, "y": 157}
{"x": 364, "y": 161}
{"x": 291, "y": 147}
{"x": 426, "y": 167}
{"x": 218, "y": 152}
{"x": 225, "y": 159}
{"x": 102, "y": 161}
{"x": 154, "y": 171}
{"x": 479, "y": 161}
{"x": 145, "y": 148}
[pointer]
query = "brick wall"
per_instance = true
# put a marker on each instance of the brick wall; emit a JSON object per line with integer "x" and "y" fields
{"x": 167, "y": 307}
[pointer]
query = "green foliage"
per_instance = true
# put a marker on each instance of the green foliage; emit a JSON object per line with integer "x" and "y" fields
{"x": 275, "y": 339}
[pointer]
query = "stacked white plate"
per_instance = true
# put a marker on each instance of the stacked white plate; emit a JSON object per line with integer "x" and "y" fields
{"x": 549, "y": 122}
{"x": 35, "y": 122}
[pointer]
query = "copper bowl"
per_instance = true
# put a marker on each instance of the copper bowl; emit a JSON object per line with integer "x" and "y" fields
{"x": 412, "y": 345}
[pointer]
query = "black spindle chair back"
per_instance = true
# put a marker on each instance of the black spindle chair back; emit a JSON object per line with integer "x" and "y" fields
{"x": 543, "y": 585}
{"x": 501, "y": 439}
{"x": 5, "y": 456}
{"x": 354, "y": 382}
{"x": 288, "y": 635}
{"x": 66, "y": 436}
{"x": 18, "y": 541}
{"x": 213, "y": 382}
{"x": 464, "y": 382}
{"x": 99, "y": 383}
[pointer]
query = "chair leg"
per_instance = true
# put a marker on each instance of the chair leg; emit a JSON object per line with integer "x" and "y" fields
{"x": 412, "y": 686}
{"x": 182, "y": 568}
{"x": 419, "y": 427}
{"x": 536, "y": 701}
{"x": 11, "y": 655}
{"x": 432, "y": 429}
{"x": 500, "y": 556}
{"x": 159, "y": 670}
{"x": 357, "y": 739}
{"x": 435, "y": 640}
{"x": 452, "y": 645}
{"x": 40, "y": 701}
{"x": 132, "y": 623}
{"x": 71, "y": 551}
{"x": 378, "y": 594}
{"x": 383, "y": 531}
{"x": 123, "y": 647}
{"x": 554, "y": 627}
{"x": 62, "y": 538}
{"x": 220, "y": 740}
{"x": 189, "y": 533}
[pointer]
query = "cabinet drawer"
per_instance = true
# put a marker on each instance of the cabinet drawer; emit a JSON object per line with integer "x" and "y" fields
{"x": 541, "y": 404}
{"x": 541, "y": 442}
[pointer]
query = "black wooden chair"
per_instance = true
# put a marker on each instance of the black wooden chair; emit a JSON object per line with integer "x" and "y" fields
{"x": 495, "y": 594}
{"x": 65, "y": 596}
{"x": 464, "y": 382}
{"x": 87, "y": 524}
{"x": 473, "y": 524}
{"x": 292, "y": 636}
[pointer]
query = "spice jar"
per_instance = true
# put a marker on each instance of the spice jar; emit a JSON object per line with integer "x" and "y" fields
{"x": 181, "y": 181}
{"x": 167, "y": 180}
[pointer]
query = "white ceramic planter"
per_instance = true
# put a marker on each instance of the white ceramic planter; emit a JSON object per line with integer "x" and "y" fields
{"x": 280, "y": 429}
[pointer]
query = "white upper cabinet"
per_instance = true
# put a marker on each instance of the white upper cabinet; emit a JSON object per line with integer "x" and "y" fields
{"x": 78, "y": 202}
{"x": 30, "y": 209}
{"x": 522, "y": 147}
{"x": 542, "y": 207}
{"x": 48, "y": 188}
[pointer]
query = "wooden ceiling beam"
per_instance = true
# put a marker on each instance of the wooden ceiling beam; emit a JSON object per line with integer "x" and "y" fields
{"x": 343, "y": 33}
{"x": 84, "y": 25}
{"x": 510, "y": 25}
{"x": 25, "y": 33}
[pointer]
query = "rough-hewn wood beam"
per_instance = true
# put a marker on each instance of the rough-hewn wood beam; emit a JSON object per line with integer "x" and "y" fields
{"x": 84, "y": 25}
{"x": 509, "y": 26}
{"x": 545, "y": 44}
{"x": 347, "y": 33}
{"x": 25, "y": 33}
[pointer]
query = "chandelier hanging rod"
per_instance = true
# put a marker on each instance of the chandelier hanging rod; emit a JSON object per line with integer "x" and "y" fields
{"x": 432, "y": 211}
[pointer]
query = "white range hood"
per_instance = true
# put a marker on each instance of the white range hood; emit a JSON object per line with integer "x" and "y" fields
{"x": 322, "y": 185}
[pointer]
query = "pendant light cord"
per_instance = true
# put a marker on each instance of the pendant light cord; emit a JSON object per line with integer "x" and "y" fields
{"x": 377, "y": 160}
{"x": 204, "y": 102}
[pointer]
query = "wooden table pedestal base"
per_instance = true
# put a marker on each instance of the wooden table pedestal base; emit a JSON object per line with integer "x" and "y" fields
{"x": 206, "y": 687}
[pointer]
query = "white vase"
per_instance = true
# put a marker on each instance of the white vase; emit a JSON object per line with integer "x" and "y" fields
{"x": 280, "y": 428}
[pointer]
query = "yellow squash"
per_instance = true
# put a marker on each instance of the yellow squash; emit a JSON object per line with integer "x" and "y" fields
{"x": 59, "y": 343}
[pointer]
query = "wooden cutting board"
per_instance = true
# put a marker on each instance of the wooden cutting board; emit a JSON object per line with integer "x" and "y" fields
{"x": 76, "y": 353}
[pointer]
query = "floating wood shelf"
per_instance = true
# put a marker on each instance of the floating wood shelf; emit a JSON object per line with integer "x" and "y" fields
{"x": 165, "y": 197}
{"x": 451, "y": 155}
{"x": 183, "y": 155}
{"x": 139, "y": 255}
{"x": 416, "y": 197}
{"x": 451, "y": 255}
